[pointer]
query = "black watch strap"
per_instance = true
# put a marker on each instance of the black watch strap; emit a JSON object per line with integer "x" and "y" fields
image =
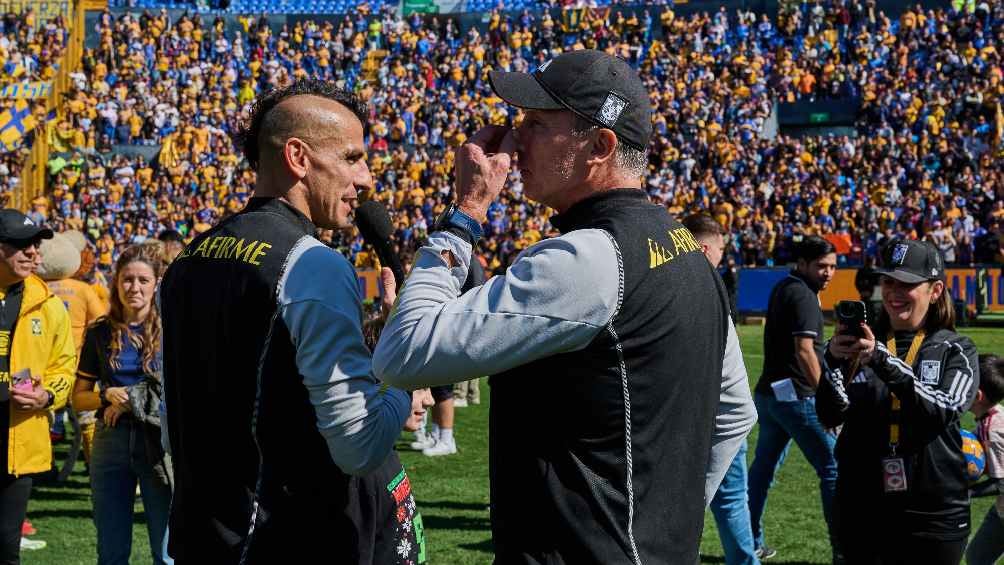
{"x": 52, "y": 399}
{"x": 461, "y": 233}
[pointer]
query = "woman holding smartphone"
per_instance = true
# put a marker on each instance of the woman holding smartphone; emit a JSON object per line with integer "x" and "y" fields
{"x": 121, "y": 352}
{"x": 899, "y": 389}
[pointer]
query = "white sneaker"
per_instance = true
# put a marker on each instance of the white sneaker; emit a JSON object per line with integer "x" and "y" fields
{"x": 460, "y": 403}
{"x": 422, "y": 441}
{"x": 31, "y": 544}
{"x": 441, "y": 448}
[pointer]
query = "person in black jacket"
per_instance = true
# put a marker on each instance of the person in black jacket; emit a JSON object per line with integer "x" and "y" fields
{"x": 263, "y": 339}
{"x": 899, "y": 392}
{"x": 621, "y": 317}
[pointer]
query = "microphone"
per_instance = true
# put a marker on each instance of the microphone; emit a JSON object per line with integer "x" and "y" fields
{"x": 376, "y": 228}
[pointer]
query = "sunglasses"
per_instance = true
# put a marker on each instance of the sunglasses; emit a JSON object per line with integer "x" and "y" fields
{"x": 22, "y": 244}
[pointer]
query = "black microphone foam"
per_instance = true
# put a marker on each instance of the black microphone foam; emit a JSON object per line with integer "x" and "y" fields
{"x": 376, "y": 228}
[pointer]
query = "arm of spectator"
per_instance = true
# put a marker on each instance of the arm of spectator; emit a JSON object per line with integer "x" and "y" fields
{"x": 735, "y": 418}
{"x": 320, "y": 306}
{"x": 832, "y": 401}
{"x": 807, "y": 319}
{"x": 808, "y": 361}
{"x": 556, "y": 297}
{"x": 931, "y": 407}
{"x": 88, "y": 373}
{"x": 59, "y": 371}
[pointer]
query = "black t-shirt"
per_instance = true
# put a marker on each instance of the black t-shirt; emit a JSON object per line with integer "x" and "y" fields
{"x": 10, "y": 309}
{"x": 793, "y": 311}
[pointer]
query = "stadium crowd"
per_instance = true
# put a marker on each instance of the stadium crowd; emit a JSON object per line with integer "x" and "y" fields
{"x": 922, "y": 165}
{"x": 143, "y": 144}
{"x": 28, "y": 53}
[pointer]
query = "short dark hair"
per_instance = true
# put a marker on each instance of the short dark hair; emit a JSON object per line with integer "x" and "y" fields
{"x": 702, "y": 225}
{"x": 992, "y": 377}
{"x": 171, "y": 235}
{"x": 813, "y": 247}
{"x": 249, "y": 135}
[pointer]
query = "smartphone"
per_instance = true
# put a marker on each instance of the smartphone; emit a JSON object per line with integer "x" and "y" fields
{"x": 22, "y": 381}
{"x": 851, "y": 314}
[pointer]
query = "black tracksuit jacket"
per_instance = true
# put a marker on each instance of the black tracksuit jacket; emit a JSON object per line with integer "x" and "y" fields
{"x": 934, "y": 392}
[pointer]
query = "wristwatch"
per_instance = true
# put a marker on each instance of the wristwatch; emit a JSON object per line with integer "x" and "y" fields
{"x": 52, "y": 399}
{"x": 453, "y": 219}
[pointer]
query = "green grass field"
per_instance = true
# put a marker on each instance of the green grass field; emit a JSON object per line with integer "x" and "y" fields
{"x": 452, "y": 494}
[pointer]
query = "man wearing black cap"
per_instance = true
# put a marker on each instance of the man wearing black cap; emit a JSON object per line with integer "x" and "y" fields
{"x": 37, "y": 361}
{"x": 620, "y": 324}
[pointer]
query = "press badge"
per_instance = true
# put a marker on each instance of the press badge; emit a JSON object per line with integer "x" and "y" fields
{"x": 893, "y": 474}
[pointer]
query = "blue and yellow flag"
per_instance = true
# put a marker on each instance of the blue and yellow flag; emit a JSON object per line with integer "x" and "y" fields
{"x": 13, "y": 71}
{"x": 15, "y": 123}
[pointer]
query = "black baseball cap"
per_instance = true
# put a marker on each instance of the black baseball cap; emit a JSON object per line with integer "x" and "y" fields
{"x": 598, "y": 87}
{"x": 912, "y": 261}
{"x": 15, "y": 227}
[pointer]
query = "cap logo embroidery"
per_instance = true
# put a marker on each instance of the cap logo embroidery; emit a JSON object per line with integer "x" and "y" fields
{"x": 899, "y": 253}
{"x": 612, "y": 108}
{"x": 28, "y": 222}
{"x": 544, "y": 66}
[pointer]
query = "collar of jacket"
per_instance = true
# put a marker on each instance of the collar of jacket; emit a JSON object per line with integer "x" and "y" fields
{"x": 584, "y": 211}
{"x": 281, "y": 207}
{"x": 35, "y": 293}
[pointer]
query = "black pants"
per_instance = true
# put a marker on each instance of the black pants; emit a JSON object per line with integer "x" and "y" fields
{"x": 14, "y": 492}
{"x": 904, "y": 550}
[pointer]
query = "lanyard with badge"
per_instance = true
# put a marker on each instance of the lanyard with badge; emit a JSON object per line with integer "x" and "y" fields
{"x": 893, "y": 467}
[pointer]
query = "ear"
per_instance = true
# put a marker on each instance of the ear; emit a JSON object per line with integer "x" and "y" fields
{"x": 295, "y": 157}
{"x": 936, "y": 289}
{"x": 604, "y": 146}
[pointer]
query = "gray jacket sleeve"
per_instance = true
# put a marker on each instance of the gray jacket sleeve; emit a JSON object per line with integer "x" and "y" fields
{"x": 555, "y": 298}
{"x": 319, "y": 303}
{"x": 736, "y": 415}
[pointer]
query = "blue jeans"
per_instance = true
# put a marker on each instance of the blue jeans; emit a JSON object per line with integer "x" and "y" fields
{"x": 781, "y": 422}
{"x": 118, "y": 462}
{"x": 730, "y": 507}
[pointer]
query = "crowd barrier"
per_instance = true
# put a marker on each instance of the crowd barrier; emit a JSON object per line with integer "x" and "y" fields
{"x": 755, "y": 286}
